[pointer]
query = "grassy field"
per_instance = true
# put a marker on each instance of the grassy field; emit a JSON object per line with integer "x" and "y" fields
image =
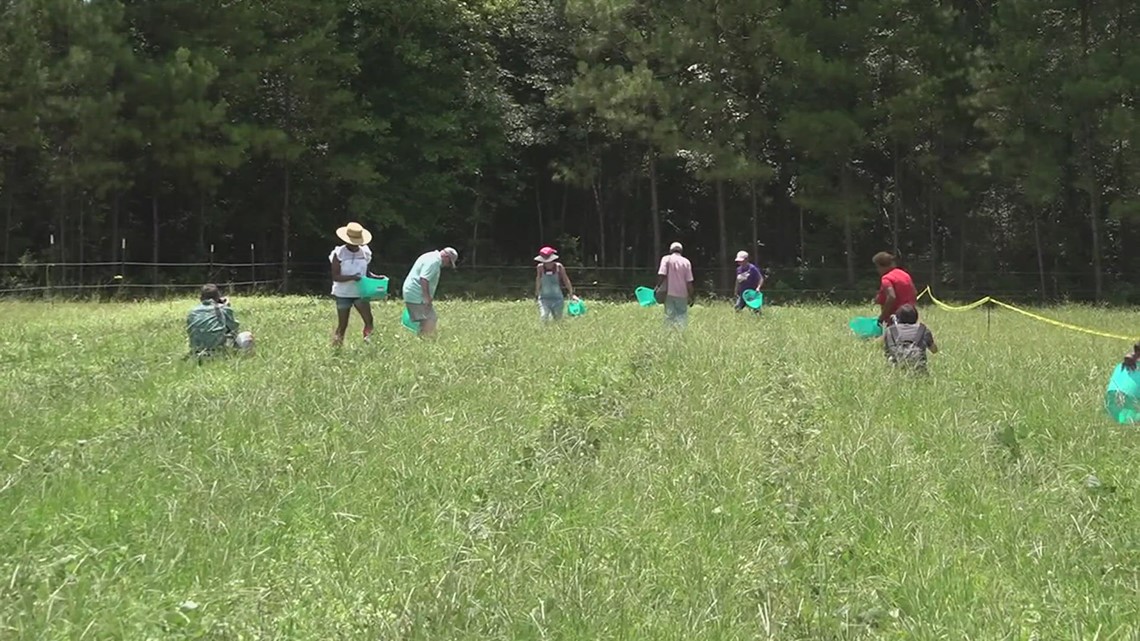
{"x": 601, "y": 479}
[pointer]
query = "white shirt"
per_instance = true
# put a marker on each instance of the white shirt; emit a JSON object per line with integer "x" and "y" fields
{"x": 352, "y": 263}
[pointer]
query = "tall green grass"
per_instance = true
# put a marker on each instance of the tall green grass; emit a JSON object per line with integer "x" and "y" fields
{"x": 750, "y": 478}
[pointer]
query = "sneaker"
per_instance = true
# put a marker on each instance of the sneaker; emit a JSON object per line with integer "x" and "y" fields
{"x": 367, "y": 334}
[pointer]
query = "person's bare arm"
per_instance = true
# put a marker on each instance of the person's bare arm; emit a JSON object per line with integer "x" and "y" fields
{"x": 425, "y": 288}
{"x": 566, "y": 280}
{"x": 931, "y": 345}
{"x": 337, "y": 276}
{"x": 692, "y": 292}
{"x": 537, "y": 280}
{"x": 888, "y": 304}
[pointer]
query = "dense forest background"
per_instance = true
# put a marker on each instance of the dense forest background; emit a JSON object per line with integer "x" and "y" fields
{"x": 992, "y": 143}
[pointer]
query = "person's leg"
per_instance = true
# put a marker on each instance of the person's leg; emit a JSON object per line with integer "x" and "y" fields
{"x": 682, "y": 313}
{"x": 365, "y": 310}
{"x": 739, "y": 303}
{"x": 427, "y": 327}
{"x": 544, "y": 310}
{"x": 343, "y": 309}
{"x": 676, "y": 310}
{"x": 555, "y": 307}
{"x": 425, "y": 316}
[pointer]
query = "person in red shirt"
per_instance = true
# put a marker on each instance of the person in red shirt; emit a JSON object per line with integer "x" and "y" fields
{"x": 895, "y": 288}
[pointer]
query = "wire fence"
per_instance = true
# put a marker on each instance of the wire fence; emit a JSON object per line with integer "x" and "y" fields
{"x": 137, "y": 279}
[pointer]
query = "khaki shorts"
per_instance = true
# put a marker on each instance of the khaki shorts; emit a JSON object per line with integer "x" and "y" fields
{"x": 421, "y": 312}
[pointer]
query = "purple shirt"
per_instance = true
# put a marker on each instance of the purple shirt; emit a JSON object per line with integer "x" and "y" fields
{"x": 747, "y": 277}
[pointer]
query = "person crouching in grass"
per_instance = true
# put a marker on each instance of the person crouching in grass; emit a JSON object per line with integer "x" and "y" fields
{"x": 1131, "y": 358}
{"x": 211, "y": 326}
{"x": 907, "y": 341}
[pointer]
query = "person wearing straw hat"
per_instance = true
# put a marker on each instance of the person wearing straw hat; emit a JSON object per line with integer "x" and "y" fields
{"x": 549, "y": 281}
{"x": 350, "y": 263}
{"x": 676, "y": 274}
{"x": 748, "y": 276}
{"x": 420, "y": 284}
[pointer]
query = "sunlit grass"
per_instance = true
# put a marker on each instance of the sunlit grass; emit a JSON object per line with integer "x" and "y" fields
{"x": 750, "y": 478}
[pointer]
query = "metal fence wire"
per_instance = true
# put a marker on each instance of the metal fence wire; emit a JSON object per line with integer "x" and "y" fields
{"x": 135, "y": 279}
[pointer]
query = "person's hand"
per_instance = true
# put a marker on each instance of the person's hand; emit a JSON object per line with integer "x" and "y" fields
{"x": 574, "y": 298}
{"x": 357, "y": 277}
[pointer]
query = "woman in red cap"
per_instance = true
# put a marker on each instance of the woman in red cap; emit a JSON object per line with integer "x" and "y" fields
{"x": 550, "y": 278}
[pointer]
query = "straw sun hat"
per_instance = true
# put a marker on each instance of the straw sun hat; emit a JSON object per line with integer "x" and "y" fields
{"x": 354, "y": 234}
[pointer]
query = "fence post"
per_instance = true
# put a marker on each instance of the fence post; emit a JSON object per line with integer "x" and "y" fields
{"x": 253, "y": 265}
{"x": 51, "y": 261}
{"x": 122, "y": 277}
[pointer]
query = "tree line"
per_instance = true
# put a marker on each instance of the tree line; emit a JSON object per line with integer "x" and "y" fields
{"x": 992, "y": 140}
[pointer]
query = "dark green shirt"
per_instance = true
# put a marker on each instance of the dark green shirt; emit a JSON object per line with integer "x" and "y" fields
{"x": 208, "y": 324}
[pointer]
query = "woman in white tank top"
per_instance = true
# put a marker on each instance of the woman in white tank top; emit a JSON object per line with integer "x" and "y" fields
{"x": 349, "y": 264}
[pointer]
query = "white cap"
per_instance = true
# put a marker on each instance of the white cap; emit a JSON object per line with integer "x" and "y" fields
{"x": 450, "y": 251}
{"x": 675, "y": 247}
{"x": 741, "y": 256}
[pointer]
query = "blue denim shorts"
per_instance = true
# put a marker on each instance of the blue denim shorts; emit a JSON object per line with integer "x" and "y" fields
{"x": 343, "y": 303}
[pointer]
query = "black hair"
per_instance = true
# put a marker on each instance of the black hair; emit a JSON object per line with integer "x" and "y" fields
{"x": 210, "y": 291}
{"x": 907, "y": 314}
{"x": 885, "y": 259}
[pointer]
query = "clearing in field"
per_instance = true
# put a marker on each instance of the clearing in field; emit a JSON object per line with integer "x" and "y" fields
{"x": 599, "y": 479}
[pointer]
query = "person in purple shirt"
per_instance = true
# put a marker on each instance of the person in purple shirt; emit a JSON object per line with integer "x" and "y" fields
{"x": 748, "y": 276}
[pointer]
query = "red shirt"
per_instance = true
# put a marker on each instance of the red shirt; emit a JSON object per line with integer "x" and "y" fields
{"x": 905, "y": 293}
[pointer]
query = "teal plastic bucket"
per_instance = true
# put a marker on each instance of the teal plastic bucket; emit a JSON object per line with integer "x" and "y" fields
{"x": 371, "y": 288}
{"x": 407, "y": 321}
{"x": 866, "y": 327}
{"x": 645, "y": 296}
{"x": 753, "y": 298}
{"x": 576, "y": 308}
{"x": 1122, "y": 396}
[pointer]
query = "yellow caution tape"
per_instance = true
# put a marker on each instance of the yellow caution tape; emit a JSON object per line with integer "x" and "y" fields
{"x": 978, "y": 303}
{"x": 952, "y": 308}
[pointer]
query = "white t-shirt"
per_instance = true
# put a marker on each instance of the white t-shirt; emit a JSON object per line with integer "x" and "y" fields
{"x": 352, "y": 263}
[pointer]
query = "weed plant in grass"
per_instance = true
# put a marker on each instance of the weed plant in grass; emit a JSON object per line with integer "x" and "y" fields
{"x": 752, "y": 478}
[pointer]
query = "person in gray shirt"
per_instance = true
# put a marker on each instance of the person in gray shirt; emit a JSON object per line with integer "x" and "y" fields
{"x": 907, "y": 341}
